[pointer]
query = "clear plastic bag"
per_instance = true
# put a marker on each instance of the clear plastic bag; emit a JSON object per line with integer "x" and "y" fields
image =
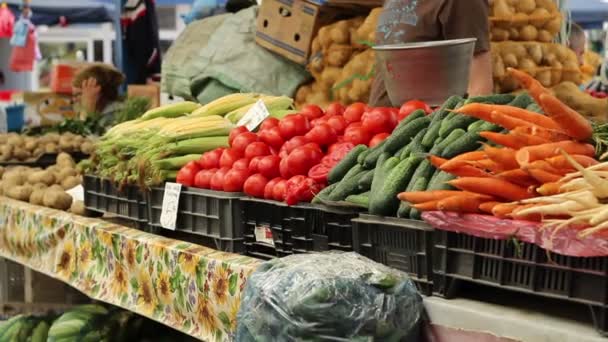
{"x": 329, "y": 297}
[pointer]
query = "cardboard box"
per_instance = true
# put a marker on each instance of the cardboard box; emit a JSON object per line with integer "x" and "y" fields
{"x": 151, "y": 91}
{"x": 47, "y": 108}
{"x": 288, "y": 27}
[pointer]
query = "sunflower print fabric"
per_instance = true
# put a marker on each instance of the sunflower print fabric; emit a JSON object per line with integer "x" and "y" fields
{"x": 191, "y": 288}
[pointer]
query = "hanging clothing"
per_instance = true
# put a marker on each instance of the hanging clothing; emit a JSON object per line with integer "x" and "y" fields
{"x": 7, "y": 22}
{"x": 141, "y": 43}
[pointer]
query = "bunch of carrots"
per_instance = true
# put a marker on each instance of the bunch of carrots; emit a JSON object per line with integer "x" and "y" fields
{"x": 534, "y": 156}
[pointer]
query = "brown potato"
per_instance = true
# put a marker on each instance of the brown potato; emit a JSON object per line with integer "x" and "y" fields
{"x": 21, "y": 153}
{"x": 44, "y": 177}
{"x": 37, "y": 197}
{"x": 21, "y": 192}
{"x": 78, "y": 208}
{"x": 51, "y": 147}
{"x": 65, "y": 160}
{"x": 70, "y": 182}
{"x": 16, "y": 140}
{"x": 57, "y": 199}
{"x": 65, "y": 173}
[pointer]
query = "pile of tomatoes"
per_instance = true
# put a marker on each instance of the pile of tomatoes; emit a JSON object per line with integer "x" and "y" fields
{"x": 289, "y": 159}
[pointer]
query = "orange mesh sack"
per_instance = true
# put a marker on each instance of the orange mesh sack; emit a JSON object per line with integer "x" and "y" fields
{"x": 524, "y": 20}
{"x": 550, "y": 63}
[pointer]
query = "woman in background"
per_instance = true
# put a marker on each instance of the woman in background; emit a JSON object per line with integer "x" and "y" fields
{"x": 96, "y": 89}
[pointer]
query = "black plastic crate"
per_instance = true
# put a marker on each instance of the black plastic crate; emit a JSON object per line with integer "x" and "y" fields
{"x": 398, "y": 243}
{"x": 45, "y": 160}
{"x": 295, "y": 229}
{"x": 209, "y": 218}
{"x": 521, "y": 267}
{"x": 128, "y": 203}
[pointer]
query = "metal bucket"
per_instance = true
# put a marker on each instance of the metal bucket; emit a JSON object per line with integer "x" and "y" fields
{"x": 427, "y": 71}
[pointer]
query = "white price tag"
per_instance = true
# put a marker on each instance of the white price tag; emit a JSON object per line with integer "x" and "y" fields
{"x": 254, "y": 117}
{"x": 168, "y": 216}
{"x": 263, "y": 234}
{"x": 77, "y": 193}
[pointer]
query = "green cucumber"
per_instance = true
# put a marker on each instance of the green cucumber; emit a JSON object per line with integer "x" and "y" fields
{"x": 534, "y": 107}
{"x": 419, "y": 185}
{"x": 405, "y": 134}
{"x": 365, "y": 183}
{"x": 440, "y": 146}
{"x": 384, "y": 201}
{"x": 361, "y": 200}
{"x": 348, "y": 186}
{"x": 384, "y": 161}
{"x": 417, "y": 114}
{"x": 323, "y": 195}
{"x": 488, "y": 126}
{"x": 361, "y": 157}
{"x": 416, "y": 145}
{"x": 458, "y": 121}
{"x": 339, "y": 171}
{"x": 497, "y": 99}
{"x": 522, "y": 100}
{"x": 404, "y": 210}
{"x": 474, "y": 127}
{"x": 439, "y": 181}
{"x": 465, "y": 143}
{"x": 372, "y": 157}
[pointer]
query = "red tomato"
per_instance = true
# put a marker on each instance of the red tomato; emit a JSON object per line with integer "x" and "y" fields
{"x": 186, "y": 174}
{"x": 301, "y": 189}
{"x": 322, "y": 134}
{"x": 257, "y": 149}
{"x": 319, "y": 173}
{"x": 284, "y": 168}
{"x": 410, "y": 106}
{"x": 355, "y": 125}
{"x": 293, "y": 143}
{"x": 272, "y": 137}
{"x": 269, "y": 166}
{"x": 302, "y": 159}
{"x": 378, "y": 138}
{"x": 340, "y": 146}
{"x": 235, "y": 132}
{"x": 269, "y": 189}
{"x": 354, "y": 112}
{"x": 269, "y": 123}
{"x": 314, "y": 146}
{"x": 293, "y": 125}
{"x": 312, "y": 111}
{"x": 254, "y": 185}
{"x": 211, "y": 159}
{"x": 241, "y": 164}
{"x": 379, "y": 120}
{"x": 229, "y": 157}
{"x": 243, "y": 140}
{"x": 234, "y": 180}
{"x": 338, "y": 123}
{"x": 319, "y": 121}
{"x": 279, "y": 191}
{"x": 253, "y": 164}
{"x": 335, "y": 109}
{"x": 217, "y": 181}
{"x": 356, "y": 136}
{"x": 202, "y": 179}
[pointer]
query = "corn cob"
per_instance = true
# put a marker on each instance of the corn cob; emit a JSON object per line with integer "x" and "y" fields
{"x": 183, "y": 122}
{"x": 196, "y": 145}
{"x": 200, "y": 130}
{"x": 272, "y": 103}
{"x": 226, "y": 104}
{"x": 281, "y": 113}
{"x": 171, "y": 110}
{"x": 175, "y": 163}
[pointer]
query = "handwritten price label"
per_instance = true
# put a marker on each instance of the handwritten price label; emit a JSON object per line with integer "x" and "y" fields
{"x": 168, "y": 216}
{"x": 254, "y": 117}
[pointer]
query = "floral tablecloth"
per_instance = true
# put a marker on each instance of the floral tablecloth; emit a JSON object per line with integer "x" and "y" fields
{"x": 191, "y": 288}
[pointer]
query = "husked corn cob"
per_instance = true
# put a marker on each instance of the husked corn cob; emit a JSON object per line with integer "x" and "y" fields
{"x": 226, "y": 104}
{"x": 196, "y": 145}
{"x": 171, "y": 110}
{"x": 281, "y": 113}
{"x": 208, "y": 128}
{"x": 175, "y": 163}
{"x": 187, "y": 121}
{"x": 273, "y": 103}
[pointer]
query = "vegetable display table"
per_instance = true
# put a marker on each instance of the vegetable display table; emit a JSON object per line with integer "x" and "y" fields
{"x": 191, "y": 288}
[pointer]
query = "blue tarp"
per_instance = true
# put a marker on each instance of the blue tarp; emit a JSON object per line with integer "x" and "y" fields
{"x": 588, "y": 13}
{"x": 75, "y": 11}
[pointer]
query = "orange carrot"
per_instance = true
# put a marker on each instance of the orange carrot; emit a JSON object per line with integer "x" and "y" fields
{"x": 518, "y": 177}
{"x": 487, "y": 164}
{"x": 542, "y": 165}
{"x": 529, "y": 154}
{"x": 502, "y": 139}
{"x": 560, "y": 162}
{"x": 487, "y": 207}
{"x": 464, "y": 203}
{"x": 427, "y": 206}
{"x": 468, "y": 171}
{"x": 549, "y": 189}
{"x": 545, "y": 133}
{"x": 543, "y": 176}
{"x": 503, "y": 156}
{"x": 491, "y": 186}
{"x": 427, "y": 196}
{"x": 534, "y": 87}
{"x": 503, "y": 210}
{"x": 528, "y": 140}
{"x": 571, "y": 122}
{"x": 462, "y": 159}
{"x": 484, "y": 111}
{"x": 508, "y": 122}
{"x": 437, "y": 161}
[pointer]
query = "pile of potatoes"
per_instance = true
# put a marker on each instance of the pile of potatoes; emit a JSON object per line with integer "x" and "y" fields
{"x": 44, "y": 187}
{"x": 337, "y": 54}
{"x": 23, "y": 148}
{"x": 551, "y": 64}
{"x": 524, "y": 20}
{"x": 592, "y": 108}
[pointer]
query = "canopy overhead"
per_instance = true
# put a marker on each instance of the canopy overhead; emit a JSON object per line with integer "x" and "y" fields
{"x": 75, "y": 12}
{"x": 589, "y": 13}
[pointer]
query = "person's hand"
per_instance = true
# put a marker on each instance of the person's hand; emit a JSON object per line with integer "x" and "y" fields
{"x": 90, "y": 92}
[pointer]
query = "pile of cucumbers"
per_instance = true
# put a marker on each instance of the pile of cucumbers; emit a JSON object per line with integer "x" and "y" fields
{"x": 371, "y": 178}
